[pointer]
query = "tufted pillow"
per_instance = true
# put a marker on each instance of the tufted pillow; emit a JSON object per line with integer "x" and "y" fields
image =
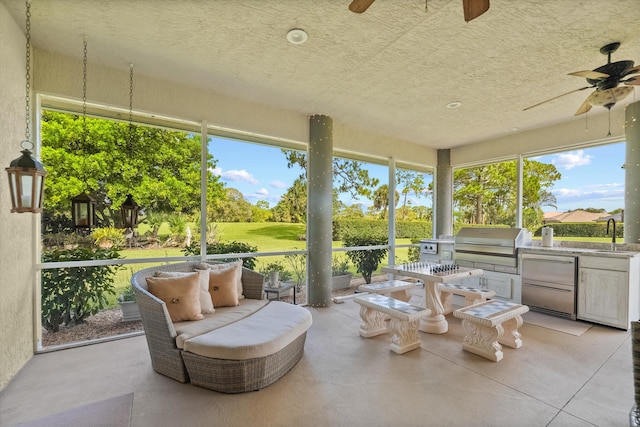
{"x": 206, "y": 305}
{"x": 237, "y": 266}
{"x": 180, "y": 294}
{"x": 222, "y": 287}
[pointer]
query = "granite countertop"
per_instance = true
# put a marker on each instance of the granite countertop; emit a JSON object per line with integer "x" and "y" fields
{"x": 567, "y": 250}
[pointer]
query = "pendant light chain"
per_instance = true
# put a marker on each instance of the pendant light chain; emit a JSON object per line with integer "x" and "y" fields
{"x": 84, "y": 93}
{"x": 27, "y": 133}
{"x": 130, "y": 106}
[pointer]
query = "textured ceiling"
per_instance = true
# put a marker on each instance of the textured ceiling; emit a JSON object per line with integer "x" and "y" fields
{"x": 391, "y": 70}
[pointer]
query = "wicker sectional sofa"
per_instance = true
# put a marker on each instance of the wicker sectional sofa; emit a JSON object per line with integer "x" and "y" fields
{"x": 233, "y": 350}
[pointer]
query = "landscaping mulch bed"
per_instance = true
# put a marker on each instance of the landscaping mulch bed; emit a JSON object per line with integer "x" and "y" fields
{"x": 108, "y": 323}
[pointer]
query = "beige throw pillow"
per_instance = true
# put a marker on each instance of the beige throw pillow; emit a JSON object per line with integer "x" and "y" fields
{"x": 222, "y": 287}
{"x": 180, "y": 294}
{"x": 237, "y": 266}
{"x": 206, "y": 305}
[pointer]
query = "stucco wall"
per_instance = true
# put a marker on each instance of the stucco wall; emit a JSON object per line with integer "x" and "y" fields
{"x": 577, "y": 132}
{"x": 62, "y": 76}
{"x": 17, "y": 272}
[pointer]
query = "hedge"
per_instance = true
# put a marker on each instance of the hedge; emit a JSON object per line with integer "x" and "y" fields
{"x": 582, "y": 229}
{"x": 404, "y": 229}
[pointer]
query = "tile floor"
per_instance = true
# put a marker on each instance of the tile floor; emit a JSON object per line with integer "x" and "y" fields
{"x": 555, "y": 379}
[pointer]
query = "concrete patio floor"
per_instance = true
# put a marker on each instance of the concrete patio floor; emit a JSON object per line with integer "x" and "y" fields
{"x": 555, "y": 379}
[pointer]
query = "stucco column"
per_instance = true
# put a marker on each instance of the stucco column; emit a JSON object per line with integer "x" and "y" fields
{"x": 444, "y": 195}
{"x": 319, "y": 205}
{"x": 632, "y": 174}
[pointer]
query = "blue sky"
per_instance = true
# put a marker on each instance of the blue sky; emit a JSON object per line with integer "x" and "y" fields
{"x": 590, "y": 177}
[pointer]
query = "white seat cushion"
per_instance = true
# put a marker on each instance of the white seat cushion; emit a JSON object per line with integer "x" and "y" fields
{"x": 266, "y": 332}
{"x": 222, "y": 317}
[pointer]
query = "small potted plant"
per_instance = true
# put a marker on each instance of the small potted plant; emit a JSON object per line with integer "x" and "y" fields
{"x": 341, "y": 277}
{"x": 273, "y": 271}
{"x": 128, "y": 305}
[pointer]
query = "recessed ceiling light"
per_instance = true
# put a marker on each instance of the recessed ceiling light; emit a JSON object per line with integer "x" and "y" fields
{"x": 297, "y": 36}
{"x": 513, "y": 129}
{"x": 454, "y": 104}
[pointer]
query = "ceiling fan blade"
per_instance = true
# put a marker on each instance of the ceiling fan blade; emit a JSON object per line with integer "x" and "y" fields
{"x": 474, "y": 8}
{"x": 633, "y": 81}
{"x": 588, "y": 74}
{"x": 586, "y": 106}
{"x": 556, "y": 97}
{"x": 633, "y": 70}
{"x": 359, "y": 6}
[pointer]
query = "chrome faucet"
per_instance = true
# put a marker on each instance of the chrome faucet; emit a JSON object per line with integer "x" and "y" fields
{"x": 613, "y": 237}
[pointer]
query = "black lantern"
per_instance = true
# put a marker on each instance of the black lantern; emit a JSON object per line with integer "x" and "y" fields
{"x": 83, "y": 211}
{"x": 129, "y": 211}
{"x": 26, "y": 174}
{"x": 26, "y": 182}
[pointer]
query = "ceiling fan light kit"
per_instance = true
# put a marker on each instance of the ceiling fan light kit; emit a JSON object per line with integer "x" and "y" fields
{"x": 606, "y": 80}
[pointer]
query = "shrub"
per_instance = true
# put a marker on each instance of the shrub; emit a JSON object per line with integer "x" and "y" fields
{"x": 108, "y": 236}
{"x": 69, "y": 295}
{"x": 128, "y": 295}
{"x": 225, "y": 248}
{"x": 413, "y": 252}
{"x": 339, "y": 265}
{"x": 366, "y": 261}
{"x": 583, "y": 229}
{"x": 298, "y": 263}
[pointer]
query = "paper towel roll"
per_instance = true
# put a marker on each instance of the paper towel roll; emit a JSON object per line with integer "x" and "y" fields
{"x": 547, "y": 237}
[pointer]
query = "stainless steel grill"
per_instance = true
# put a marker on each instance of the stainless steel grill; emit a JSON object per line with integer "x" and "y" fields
{"x": 493, "y": 249}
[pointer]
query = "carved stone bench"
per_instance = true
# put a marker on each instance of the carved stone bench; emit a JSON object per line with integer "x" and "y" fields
{"x": 405, "y": 319}
{"x": 489, "y": 324}
{"x": 471, "y": 295}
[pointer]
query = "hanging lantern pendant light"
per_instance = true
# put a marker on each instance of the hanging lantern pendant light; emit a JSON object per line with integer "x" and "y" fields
{"x": 26, "y": 174}
{"x": 83, "y": 206}
{"x": 129, "y": 209}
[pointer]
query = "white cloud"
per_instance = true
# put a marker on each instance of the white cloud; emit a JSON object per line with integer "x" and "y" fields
{"x": 235, "y": 175}
{"x": 278, "y": 184}
{"x": 263, "y": 192}
{"x": 591, "y": 195}
{"x": 571, "y": 159}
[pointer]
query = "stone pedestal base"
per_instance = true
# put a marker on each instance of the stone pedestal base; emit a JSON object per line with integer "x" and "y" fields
{"x": 489, "y": 324}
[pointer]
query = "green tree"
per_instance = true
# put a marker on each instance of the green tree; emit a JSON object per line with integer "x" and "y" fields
{"x": 232, "y": 208}
{"x": 381, "y": 200}
{"x": 292, "y": 207}
{"x": 260, "y": 212}
{"x": 349, "y": 176}
{"x": 160, "y": 168}
{"x": 409, "y": 182}
{"x": 487, "y": 194}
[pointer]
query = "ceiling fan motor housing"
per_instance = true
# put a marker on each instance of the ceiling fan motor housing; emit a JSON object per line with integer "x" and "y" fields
{"x": 615, "y": 70}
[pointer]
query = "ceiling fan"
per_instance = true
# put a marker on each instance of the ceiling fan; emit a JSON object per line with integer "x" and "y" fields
{"x": 606, "y": 80}
{"x": 472, "y": 8}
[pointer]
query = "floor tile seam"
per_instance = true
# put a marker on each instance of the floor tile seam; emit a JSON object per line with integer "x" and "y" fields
{"x": 521, "y": 392}
{"x": 493, "y": 380}
{"x": 584, "y": 384}
{"x": 571, "y": 415}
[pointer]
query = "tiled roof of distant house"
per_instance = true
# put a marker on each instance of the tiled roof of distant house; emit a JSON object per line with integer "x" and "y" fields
{"x": 574, "y": 216}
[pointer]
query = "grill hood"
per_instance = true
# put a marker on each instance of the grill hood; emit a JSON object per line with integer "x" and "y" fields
{"x": 494, "y": 246}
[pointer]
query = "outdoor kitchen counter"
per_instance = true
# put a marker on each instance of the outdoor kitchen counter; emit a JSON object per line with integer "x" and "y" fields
{"x": 564, "y": 250}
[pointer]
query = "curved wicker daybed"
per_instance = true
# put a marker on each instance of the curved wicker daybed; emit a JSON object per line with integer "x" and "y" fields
{"x": 197, "y": 351}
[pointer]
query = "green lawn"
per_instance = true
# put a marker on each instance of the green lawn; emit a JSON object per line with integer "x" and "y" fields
{"x": 267, "y": 237}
